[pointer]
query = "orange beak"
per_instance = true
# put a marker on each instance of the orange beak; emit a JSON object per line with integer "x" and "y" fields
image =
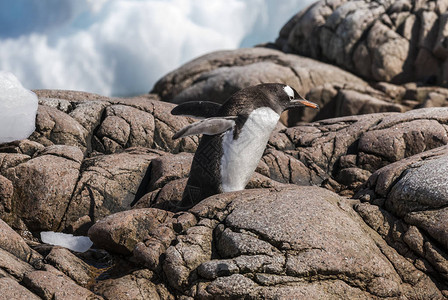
{"x": 303, "y": 102}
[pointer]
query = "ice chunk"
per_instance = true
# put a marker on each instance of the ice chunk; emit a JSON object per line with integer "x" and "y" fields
{"x": 18, "y": 107}
{"x": 75, "y": 243}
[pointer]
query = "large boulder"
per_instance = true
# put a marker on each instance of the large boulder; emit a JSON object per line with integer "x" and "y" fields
{"x": 259, "y": 244}
{"x": 406, "y": 203}
{"x": 216, "y": 76}
{"x": 392, "y": 41}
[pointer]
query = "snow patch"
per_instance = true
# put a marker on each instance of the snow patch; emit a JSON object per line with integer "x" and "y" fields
{"x": 18, "y": 107}
{"x": 74, "y": 243}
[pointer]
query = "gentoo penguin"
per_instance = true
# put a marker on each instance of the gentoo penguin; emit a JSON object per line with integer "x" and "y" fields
{"x": 234, "y": 138}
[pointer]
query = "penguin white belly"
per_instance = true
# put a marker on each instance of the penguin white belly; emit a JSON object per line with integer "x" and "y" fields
{"x": 241, "y": 156}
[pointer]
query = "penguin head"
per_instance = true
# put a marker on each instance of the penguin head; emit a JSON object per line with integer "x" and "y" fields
{"x": 283, "y": 97}
{"x": 292, "y": 99}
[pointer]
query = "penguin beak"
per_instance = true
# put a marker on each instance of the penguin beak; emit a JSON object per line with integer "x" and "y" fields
{"x": 302, "y": 102}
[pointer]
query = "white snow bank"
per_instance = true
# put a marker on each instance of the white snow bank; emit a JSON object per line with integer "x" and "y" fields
{"x": 18, "y": 107}
{"x": 74, "y": 243}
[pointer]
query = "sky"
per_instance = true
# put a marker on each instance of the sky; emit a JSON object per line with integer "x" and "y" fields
{"x": 122, "y": 47}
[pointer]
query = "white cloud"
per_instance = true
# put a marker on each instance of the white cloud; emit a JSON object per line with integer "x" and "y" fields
{"x": 121, "y": 47}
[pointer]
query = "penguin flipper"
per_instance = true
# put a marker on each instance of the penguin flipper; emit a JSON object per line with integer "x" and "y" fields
{"x": 199, "y": 109}
{"x": 210, "y": 126}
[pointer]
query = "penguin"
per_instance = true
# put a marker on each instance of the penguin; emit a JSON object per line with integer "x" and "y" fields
{"x": 235, "y": 135}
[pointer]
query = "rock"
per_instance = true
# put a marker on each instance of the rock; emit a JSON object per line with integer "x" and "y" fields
{"x": 168, "y": 168}
{"x": 88, "y": 113}
{"x": 355, "y": 103}
{"x": 168, "y": 197}
{"x": 140, "y": 284}
{"x": 75, "y": 96}
{"x": 56, "y": 127}
{"x": 124, "y": 127}
{"x": 414, "y": 193}
{"x": 120, "y": 232}
{"x": 375, "y": 139}
{"x": 29, "y": 147}
{"x": 10, "y": 160}
{"x": 11, "y": 289}
{"x": 108, "y": 184}
{"x": 54, "y": 284}
{"x": 13, "y": 243}
{"x": 13, "y": 265}
{"x": 70, "y": 124}
{"x": 405, "y": 140}
{"x": 262, "y": 249}
{"x": 421, "y": 187}
{"x": 68, "y": 152}
{"x": 395, "y": 41}
{"x": 210, "y": 78}
{"x": 43, "y": 187}
{"x": 165, "y": 124}
{"x": 70, "y": 265}
{"x": 216, "y": 76}
{"x": 6, "y": 192}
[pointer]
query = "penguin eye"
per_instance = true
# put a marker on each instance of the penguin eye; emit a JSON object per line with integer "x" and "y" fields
{"x": 291, "y": 98}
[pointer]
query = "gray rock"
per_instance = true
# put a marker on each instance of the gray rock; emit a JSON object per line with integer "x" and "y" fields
{"x": 215, "y": 76}
{"x": 422, "y": 187}
{"x": 412, "y": 194}
{"x": 394, "y": 41}
{"x": 265, "y": 246}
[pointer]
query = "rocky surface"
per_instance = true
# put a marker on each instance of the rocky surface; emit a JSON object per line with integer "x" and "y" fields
{"x": 392, "y": 41}
{"x": 349, "y": 204}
